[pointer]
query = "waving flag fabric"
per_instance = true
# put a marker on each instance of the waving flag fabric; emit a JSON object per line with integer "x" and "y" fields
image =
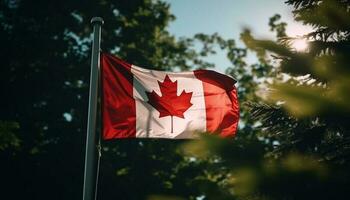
{"x": 144, "y": 103}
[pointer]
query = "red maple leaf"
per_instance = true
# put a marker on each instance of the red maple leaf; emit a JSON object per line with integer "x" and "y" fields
{"x": 169, "y": 104}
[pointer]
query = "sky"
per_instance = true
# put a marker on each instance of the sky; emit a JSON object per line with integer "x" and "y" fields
{"x": 228, "y": 18}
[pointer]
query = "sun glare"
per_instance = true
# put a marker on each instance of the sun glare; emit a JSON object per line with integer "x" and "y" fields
{"x": 300, "y": 44}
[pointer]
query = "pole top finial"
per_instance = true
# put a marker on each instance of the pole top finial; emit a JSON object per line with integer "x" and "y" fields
{"x": 97, "y": 20}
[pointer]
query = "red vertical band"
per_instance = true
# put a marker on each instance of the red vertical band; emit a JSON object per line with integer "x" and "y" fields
{"x": 118, "y": 104}
{"x": 220, "y": 95}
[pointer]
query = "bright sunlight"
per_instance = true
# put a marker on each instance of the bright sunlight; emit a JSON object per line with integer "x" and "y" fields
{"x": 300, "y": 44}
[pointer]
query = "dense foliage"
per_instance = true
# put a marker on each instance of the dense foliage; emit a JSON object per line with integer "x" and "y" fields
{"x": 45, "y": 54}
{"x": 303, "y": 117}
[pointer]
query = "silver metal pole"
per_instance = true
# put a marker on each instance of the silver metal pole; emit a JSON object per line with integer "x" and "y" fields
{"x": 91, "y": 147}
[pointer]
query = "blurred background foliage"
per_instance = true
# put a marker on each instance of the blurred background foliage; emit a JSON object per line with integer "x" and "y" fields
{"x": 303, "y": 115}
{"x": 293, "y": 140}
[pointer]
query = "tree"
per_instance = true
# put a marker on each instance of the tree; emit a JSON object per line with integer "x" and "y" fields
{"x": 45, "y": 49}
{"x": 304, "y": 116}
{"x": 315, "y": 94}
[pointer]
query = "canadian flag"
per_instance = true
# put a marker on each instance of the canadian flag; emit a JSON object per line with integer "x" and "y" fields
{"x": 144, "y": 103}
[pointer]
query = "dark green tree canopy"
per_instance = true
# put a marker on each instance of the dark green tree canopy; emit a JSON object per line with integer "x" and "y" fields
{"x": 45, "y": 53}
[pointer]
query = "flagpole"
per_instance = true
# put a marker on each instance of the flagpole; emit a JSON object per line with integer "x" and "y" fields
{"x": 91, "y": 147}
